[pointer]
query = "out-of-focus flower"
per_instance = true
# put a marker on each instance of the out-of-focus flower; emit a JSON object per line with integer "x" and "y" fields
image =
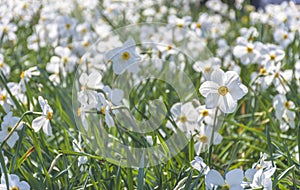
{"x": 43, "y": 121}
{"x": 283, "y": 113}
{"x": 185, "y": 116}
{"x": 200, "y": 165}
{"x": 203, "y": 138}
{"x": 223, "y": 90}
{"x": 78, "y": 148}
{"x": 233, "y": 179}
{"x": 4, "y": 68}
{"x": 9, "y": 122}
{"x": 27, "y": 75}
{"x": 123, "y": 57}
{"x": 283, "y": 37}
{"x": 207, "y": 66}
{"x": 246, "y": 51}
{"x": 14, "y": 183}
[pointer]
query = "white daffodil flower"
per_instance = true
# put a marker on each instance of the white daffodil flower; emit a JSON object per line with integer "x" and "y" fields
{"x": 43, "y": 121}
{"x": 283, "y": 113}
{"x": 7, "y": 125}
{"x": 246, "y": 51}
{"x": 14, "y": 183}
{"x": 185, "y": 116}
{"x": 207, "y": 66}
{"x": 123, "y": 57}
{"x": 223, "y": 90}
{"x": 200, "y": 165}
{"x": 233, "y": 179}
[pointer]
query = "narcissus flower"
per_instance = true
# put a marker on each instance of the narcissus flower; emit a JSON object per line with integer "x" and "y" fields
{"x": 44, "y": 119}
{"x": 7, "y": 125}
{"x": 14, "y": 183}
{"x": 283, "y": 113}
{"x": 123, "y": 57}
{"x": 233, "y": 179}
{"x": 223, "y": 90}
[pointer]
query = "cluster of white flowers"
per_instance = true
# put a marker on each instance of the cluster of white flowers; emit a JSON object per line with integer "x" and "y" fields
{"x": 64, "y": 38}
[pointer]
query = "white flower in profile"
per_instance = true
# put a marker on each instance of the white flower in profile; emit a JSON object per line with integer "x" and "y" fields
{"x": 207, "y": 66}
{"x": 114, "y": 95}
{"x": 9, "y": 122}
{"x": 14, "y": 183}
{"x": 206, "y": 116}
{"x": 26, "y": 75}
{"x": 78, "y": 148}
{"x": 246, "y": 51}
{"x": 123, "y": 57}
{"x": 185, "y": 116}
{"x": 283, "y": 113}
{"x": 5, "y": 100}
{"x": 43, "y": 121}
{"x": 104, "y": 108}
{"x": 200, "y": 165}
{"x": 4, "y": 68}
{"x": 233, "y": 179}
{"x": 223, "y": 90}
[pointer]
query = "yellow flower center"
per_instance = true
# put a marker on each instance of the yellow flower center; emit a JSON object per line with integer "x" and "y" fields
{"x": 125, "y": 55}
{"x": 65, "y": 59}
{"x": 22, "y": 75}
{"x": 169, "y": 47}
{"x": 102, "y": 110}
{"x": 262, "y": 70}
{"x": 1, "y": 64}
{"x": 249, "y": 49}
{"x": 183, "y": 119}
{"x": 205, "y": 113}
{"x": 68, "y": 26}
{"x": 49, "y": 115}
{"x": 70, "y": 46}
{"x": 272, "y": 56}
{"x": 14, "y": 188}
{"x": 83, "y": 31}
{"x": 226, "y": 187}
{"x": 276, "y": 75}
{"x": 203, "y": 139}
{"x": 223, "y": 90}
{"x": 287, "y": 104}
{"x": 284, "y": 36}
{"x": 78, "y": 112}
{"x": 198, "y": 25}
{"x": 207, "y": 69}
{"x": 86, "y": 44}
{"x": 180, "y": 24}
{"x": 3, "y": 97}
{"x": 9, "y": 128}
{"x": 258, "y": 167}
{"x": 5, "y": 29}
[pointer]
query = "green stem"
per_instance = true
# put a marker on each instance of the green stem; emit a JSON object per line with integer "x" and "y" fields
{"x": 212, "y": 138}
{"x": 17, "y": 125}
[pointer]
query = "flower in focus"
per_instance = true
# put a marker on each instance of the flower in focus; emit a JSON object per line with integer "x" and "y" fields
{"x": 233, "y": 179}
{"x": 223, "y": 90}
{"x": 123, "y": 57}
{"x": 7, "y": 125}
{"x": 14, "y": 183}
{"x": 283, "y": 113}
{"x": 43, "y": 121}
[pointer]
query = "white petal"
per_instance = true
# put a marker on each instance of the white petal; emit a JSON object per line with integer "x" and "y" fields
{"x": 234, "y": 177}
{"x": 214, "y": 177}
{"x": 227, "y": 103}
{"x": 249, "y": 174}
{"x": 218, "y": 76}
{"x": 212, "y": 100}
{"x": 109, "y": 120}
{"x": 176, "y": 110}
{"x": 38, "y": 122}
{"x": 208, "y": 87}
{"x": 47, "y": 128}
{"x": 237, "y": 90}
